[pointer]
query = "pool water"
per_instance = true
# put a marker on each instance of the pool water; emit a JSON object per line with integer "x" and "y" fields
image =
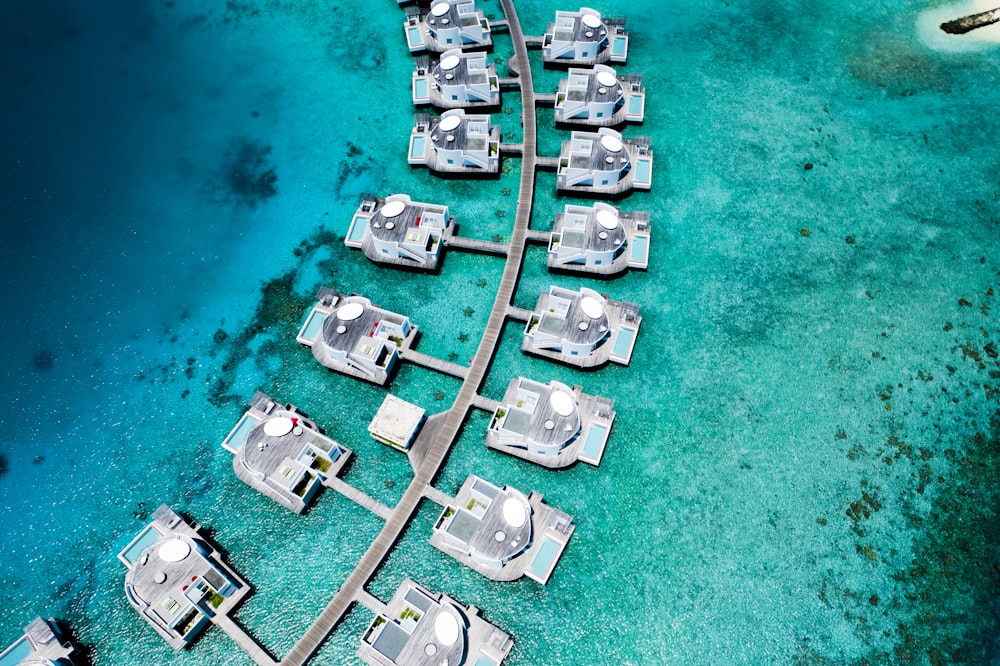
{"x": 619, "y": 46}
{"x": 596, "y": 436}
{"x": 16, "y": 653}
{"x": 357, "y": 231}
{"x": 639, "y": 250}
{"x": 239, "y": 435}
{"x": 420, "y": 89}
{"x": 642, "y": 169}
{"x": 313, "y": 325}
{"x": 623, "y": 342}
{"x": 144, "y": 540}
{"x": 636, "y": 104}
{"x": 544, "y": 557}
{"x": 418, "y": 147}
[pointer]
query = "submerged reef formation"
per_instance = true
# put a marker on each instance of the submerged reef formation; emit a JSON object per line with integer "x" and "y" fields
{"x": 248, "y": 177}
{"x": 43, "y": 360}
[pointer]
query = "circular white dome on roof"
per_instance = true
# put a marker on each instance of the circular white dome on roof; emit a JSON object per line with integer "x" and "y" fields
{"x": 393, "y": 208}
{"x": 607, "y": 219}
{"x": 449, "y": 63}
{"x": 440, "y": 9}
{"x": 446, "y": 629}
{"x": 562, "y": 402}
{"x": 449, "y": 123}
{"x": 350, "y": 312}
{"x": 611, "y": 144}
{"x": 174, "y": 550}
{"x": 591, "y": 307}
{"x": 513, "y": 512}
{"x": 591, "y": 20}
{"x": 278, "y": 427}
{"x": 606, "y": 79}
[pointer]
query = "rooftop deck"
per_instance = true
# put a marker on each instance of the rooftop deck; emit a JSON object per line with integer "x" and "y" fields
{"x": 419, "y": 627}
{"x": 551, "y": 424}
{"x": 282, "y": 454}
{"x": 583, "y": 329}
{"x": 42, "y": 643}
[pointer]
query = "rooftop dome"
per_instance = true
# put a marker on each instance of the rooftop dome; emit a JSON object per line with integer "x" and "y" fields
{"x": 591, "y": 307}
{"x": 350, "y": 312}
{"x": 393, "y": 209}
{"x": 448, "y": 123}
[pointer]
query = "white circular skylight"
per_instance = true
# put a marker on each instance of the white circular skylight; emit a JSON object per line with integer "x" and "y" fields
{"x": 448, "y": 123}
{"x": 591, "y": 307}
{"x": 591, "y": 20}
{"x": 513, "y": 512}
{"x": 446, "y": 629}
{"x": 607, "y": 219}
{"x": 393, "y": 208}
{"x": 606, "y": 79}
{"x": 440, "y": 9}
{"x": 449, "y": 63}
{"x": 350, "y": 312}
{"x": 278, "y": 427}
{"x": 562, "y": 403}
{"x": 611, "y": 144}
{"x": 174, "y": 550}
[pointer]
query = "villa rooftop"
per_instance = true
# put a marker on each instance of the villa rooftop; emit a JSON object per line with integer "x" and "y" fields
{"x": 598, "y": 239}
{"x": 501, "y": 533}
{"x": 396, "y": 423}
{"x": 42, "y": 644}
{"x": 350, "y": 335}
{"x": 279, "y": 452}
{"x": 400, "y": 232}
{"x": 419, "y": 628}
{"x": 176, "y": 581}
{"x": 581, "y": 328}
{"x": 551, "y": 424}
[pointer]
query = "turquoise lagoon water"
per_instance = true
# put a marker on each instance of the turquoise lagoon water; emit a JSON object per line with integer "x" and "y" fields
{"x": 803, "y": 463}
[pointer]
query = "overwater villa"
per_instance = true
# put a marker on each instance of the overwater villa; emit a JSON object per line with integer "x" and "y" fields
{"x": 461, "y": 79}
{"x": 399, "y": 231}
{"x": 603, "y": 163}
{"x": 501, "y": 533}
{"x": 176, "y": 581}
{"x": 599, "y": 239}
{"x": 455, "y": 143}
{"x": 581, "y": 328}
{"x": 279, "y": 452}
{"x": 421, "y": 628}
{"x": 350, "y": 335}
{"x": 551, "y": 424}
{"x": 448, "y": 25}
{"x": 42, "y": 644}
{"x": 599, "y": 97}
{"x": 584, "y": 38}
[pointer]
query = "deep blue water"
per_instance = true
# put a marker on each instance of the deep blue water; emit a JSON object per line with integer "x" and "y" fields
{"x": 804, "y": 462}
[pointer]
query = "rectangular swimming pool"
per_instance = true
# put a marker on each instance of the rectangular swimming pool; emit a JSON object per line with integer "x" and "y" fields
{"x": 146, "y": 538}
{"x": 420, "y": 89}
{"x": 623, "y": 343}
{"x": 418, "y": 148}
{"x": 414, "y": 39}
{"x": 542, "y": 565}
{"x": 619, "y": 47}
{"x": 313, "y": 325}
{"x": 16, "y": 653}
{"x": 357, "y": 230}
{"x": 238, "y": 437}
{"x": 643, "y": 166}
{"x": 593, "y": 446}
{"x": 638, "y": 252}
{"x": 635, "y": 105}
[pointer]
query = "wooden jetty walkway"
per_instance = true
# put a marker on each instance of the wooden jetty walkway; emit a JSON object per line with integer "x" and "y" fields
{"x": 485, "y": 404}
{"x": 358, "y": 497}
{"x": 445, "y": 437}
{"x": 476, "y": 245}
{"x": 433, "y": 363}
{"x": 519, "y": 314}
{"x": 246, "y": 642}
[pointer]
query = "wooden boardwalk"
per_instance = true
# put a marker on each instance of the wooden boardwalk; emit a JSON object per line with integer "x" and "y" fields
{"x": 446, "y": 435}
{"x": 433, "y": 363}
{"x": 358, "y": 497}
{"x": 476, "y": 245}
{"x": 246, "y": 642}
{"x": 519, "y": 314}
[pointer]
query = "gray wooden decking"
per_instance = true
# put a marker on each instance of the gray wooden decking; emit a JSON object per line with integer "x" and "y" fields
{"x": 476, "y": 245}
{"x": 247, "y": 643}
{"x": 433, "y": 363}
{"x": 519, "y": 314}
{"x": 358, "y": 497}
{"x": 446, "y": 434}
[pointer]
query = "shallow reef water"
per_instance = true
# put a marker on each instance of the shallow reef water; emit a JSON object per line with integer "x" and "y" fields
{"x": 804, "y": 460}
